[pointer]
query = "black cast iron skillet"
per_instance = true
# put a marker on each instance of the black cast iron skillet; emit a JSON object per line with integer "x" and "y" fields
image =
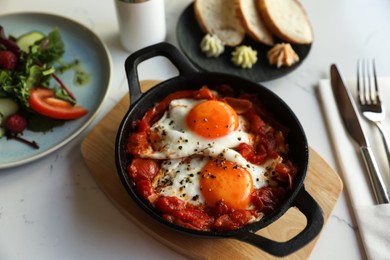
{"x": 191, "y": 78}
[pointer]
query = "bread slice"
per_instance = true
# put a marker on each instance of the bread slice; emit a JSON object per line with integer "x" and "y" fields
{"x": 253, "y": 24}
{"x": 287, "y": 20}
{"x": 219, "y": 17}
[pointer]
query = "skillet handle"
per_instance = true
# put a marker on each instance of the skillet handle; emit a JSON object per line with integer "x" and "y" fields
{"x": 160, "y": 49}
{"x": 315, "y": 220}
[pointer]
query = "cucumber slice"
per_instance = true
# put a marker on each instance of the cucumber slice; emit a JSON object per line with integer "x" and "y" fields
{"x": 25, "y": 40}
{"x": 8, "y": 107}
{"x": 2, "y": 132}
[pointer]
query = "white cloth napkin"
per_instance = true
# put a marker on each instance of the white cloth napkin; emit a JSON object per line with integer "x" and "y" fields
{"x": 373, "y": 220}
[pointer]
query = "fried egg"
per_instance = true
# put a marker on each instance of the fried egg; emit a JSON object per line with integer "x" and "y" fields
{"x": 196, "y": 139}
{"x": 191, "y": 126}
{"x": 202, "y": 180}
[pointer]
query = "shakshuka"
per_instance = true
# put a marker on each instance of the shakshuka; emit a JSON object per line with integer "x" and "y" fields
{"x": 207, "y": 160}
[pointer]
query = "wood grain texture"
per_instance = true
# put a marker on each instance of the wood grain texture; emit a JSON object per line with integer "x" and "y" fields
{"x": 322, "y": 182}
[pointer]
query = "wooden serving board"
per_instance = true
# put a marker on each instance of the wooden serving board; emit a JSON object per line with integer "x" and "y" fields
{"x": 322, "y": 182}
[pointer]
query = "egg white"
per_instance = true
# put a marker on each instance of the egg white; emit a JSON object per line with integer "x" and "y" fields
{"x": 181, "y": 177}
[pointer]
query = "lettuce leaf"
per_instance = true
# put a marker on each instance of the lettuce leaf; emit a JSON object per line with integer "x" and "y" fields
{"x": 35, "y": 68}
{"x": 51, "y": 47}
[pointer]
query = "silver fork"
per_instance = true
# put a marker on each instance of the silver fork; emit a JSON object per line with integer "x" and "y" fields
{"x": 369, "y": 98}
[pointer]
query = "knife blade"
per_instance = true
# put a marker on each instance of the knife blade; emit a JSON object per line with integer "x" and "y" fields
{"x": 349, "y": 115}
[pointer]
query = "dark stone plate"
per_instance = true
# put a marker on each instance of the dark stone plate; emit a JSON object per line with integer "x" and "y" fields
{"x": 189, "y": 36}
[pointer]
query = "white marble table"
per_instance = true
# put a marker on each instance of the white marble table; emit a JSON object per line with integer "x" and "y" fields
{"x": 53, "y": 209}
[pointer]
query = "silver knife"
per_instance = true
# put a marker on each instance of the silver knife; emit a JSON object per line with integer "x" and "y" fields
{"x": 348, "y": 112}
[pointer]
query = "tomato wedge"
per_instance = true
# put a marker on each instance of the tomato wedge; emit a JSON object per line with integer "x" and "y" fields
{"x": 43, "y": 101}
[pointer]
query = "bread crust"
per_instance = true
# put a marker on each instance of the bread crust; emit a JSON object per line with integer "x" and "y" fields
{"x": 264, "y": 36}
{"x": 198, "y": 16}
{"x": 231, "y": 31}
{"x": 284, "y": 33}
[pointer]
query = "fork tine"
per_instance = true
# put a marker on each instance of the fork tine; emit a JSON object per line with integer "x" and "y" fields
{"x": 367, "y": 86}
{"x": 373, "y": 83}
{"x": 370, "y": 87}
{"x": 364, "y": 83}
{"x": 360, "y": 82}
{"x": 377, "y": 95}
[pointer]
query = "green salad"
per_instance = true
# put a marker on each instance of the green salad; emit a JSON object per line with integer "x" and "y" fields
{"x": 29, "y": 100}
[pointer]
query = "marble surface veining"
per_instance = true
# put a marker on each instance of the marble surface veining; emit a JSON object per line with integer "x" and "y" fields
{"x": 53, "y": 209}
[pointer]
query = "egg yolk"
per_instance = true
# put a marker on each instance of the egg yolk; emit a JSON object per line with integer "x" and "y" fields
{"x": 212, "y": 119}
{"x": 226, "y": 181}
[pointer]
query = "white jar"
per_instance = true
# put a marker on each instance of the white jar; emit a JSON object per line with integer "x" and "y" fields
{"x": 141, "y": 23}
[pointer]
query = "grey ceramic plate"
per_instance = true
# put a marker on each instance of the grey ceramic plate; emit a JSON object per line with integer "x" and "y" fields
{"x": 189, "y": 36}
{"x": 80, "y": 43}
